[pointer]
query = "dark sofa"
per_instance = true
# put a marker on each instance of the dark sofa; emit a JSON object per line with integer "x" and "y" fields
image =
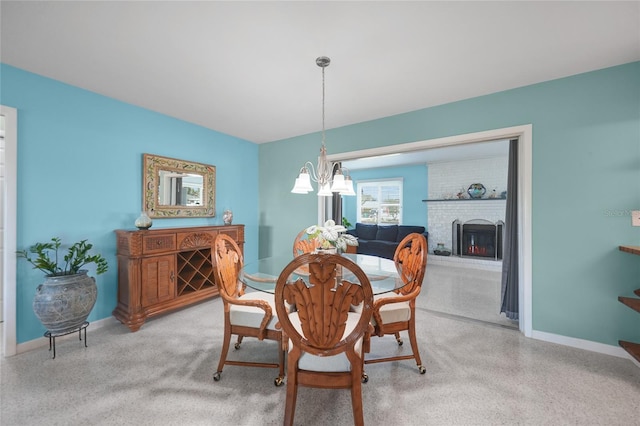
{"x": 382, "y": 240}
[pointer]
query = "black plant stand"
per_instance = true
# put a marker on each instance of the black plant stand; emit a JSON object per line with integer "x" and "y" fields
{"x": 52, "y": 336}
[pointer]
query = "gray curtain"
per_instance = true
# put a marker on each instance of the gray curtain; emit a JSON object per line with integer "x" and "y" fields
{"x": 336, "y": 202}
{"x": 336, "y": 208}
{"x": 510, "y": 250}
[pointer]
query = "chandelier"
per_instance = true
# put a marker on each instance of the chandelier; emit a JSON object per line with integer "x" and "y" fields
{"x": 329, "y": 176}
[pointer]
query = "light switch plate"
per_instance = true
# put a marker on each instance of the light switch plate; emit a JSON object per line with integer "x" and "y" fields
{"x": 635, "y": 218}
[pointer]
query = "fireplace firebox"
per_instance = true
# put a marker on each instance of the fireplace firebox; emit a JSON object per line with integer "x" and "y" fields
{"x": 477, "y": 238}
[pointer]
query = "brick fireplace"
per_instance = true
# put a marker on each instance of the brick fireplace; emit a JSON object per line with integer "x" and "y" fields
{"x": 446, "y": 179}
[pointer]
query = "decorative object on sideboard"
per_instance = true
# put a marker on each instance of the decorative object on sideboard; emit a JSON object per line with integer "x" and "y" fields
{"x": 330, "y": 177}
{"x": 227, "y": 217}
{"x": 476, "y": 190}
{"x": 143, "y": 221}
{"x": 66, "y": 297}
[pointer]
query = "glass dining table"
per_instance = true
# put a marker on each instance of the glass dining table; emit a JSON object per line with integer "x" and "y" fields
{"x": 263, "y": 274}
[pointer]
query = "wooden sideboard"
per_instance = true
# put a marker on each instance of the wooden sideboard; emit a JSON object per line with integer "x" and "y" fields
{"x": 160, "y": 270}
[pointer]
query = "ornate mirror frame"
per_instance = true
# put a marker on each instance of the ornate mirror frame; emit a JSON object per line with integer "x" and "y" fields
{"x": 151, "y": 167}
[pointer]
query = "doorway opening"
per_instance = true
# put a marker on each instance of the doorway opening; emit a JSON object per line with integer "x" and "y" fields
{"x": 524, "y": 136}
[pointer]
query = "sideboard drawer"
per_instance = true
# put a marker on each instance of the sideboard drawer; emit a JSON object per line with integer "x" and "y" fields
{"x": 158, "y": 243}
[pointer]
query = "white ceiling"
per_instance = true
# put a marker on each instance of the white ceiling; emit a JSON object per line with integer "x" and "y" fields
{"x": 499, "y": 148}
{"x": 248, "y": 68}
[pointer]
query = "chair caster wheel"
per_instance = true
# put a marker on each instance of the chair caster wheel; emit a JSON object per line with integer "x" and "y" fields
{"x": 400, "y": 342}
{"x": 279, "y": 381}
{"x": 216, "y": 376}
{"x": 365, "y": 378}
{"x": 237, "y": 346}
{"x": 421, "y": 369}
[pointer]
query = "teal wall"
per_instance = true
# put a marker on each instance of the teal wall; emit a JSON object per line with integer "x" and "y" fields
{"x": 79, "y": 175}
{"x": 586, "y": 180}
{"x": 414, "y": 190}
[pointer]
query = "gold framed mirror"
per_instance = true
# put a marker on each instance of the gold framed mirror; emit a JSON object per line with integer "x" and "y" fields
{"x": 177, "y": 188}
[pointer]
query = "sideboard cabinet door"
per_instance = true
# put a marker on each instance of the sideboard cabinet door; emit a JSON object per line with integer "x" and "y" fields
{"x": 158, "y": 279}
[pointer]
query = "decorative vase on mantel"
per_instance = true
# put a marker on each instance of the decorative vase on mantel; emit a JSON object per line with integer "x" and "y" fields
{"x": 62, "y": 303}
{"x": 476, "y": 190}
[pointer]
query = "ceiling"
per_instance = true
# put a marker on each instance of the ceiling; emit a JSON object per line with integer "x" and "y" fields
{"x": 248, "y": 69}
{"x": 468, "y": 151}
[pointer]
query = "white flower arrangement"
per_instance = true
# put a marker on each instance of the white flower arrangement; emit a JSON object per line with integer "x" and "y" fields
{"x": 332, "y": 235}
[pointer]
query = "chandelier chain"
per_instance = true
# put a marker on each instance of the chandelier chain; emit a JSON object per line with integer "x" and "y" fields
{"x": 323, "y": 95}
{"x": 323, "y": 173}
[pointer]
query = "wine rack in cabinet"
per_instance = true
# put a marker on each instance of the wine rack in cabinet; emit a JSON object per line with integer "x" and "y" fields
{"x": 195, "y": 271}
{"x": 161, "y": 270}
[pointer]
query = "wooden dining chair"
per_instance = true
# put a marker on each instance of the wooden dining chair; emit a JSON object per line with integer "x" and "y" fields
{"x": 303, "y": 244}
{"x": 245, "y": 314}
{"x": 326, "y": 339}
{"x": 395, "y": 312}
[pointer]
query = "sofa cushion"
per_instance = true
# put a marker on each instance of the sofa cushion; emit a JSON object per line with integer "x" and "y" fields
{"x": 366, "y": 232}
{"x": 378, "y": 248}
{"x": 404, "y": 230}
{"x": 387, "y": 233}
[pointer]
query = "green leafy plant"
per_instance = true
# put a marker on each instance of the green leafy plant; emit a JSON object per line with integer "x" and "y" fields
{"x": 346, "y": 223}
{"x": 77, "y": 256}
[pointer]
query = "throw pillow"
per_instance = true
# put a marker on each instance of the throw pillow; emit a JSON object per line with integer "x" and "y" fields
{"x": 405, "y": 230}
{"x": 366, "y": 232}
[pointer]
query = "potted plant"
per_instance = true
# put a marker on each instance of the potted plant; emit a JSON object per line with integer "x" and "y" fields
{"x": 67, "y": 296}
{"x": 332, "y": 237}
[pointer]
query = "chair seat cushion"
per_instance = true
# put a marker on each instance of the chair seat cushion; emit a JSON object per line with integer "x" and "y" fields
{"x": 251, "y": 316}
{"x": 334, "y": 363}
{"x": 392, "y": 312}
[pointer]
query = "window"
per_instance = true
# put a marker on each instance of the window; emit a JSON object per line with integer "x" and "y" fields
{"x": 380, "y": 201}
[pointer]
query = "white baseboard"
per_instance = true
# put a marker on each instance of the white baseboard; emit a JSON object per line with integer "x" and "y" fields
{"x": 587, "y": 345}
{"x": 40, "y": 342}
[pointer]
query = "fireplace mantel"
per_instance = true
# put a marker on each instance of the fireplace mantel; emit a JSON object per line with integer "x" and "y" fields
{"x": 455, "y": 200}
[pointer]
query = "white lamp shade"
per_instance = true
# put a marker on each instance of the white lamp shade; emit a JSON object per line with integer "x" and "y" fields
{"x": 298, "y": 189}
{"x": 349, "y": 184}
{"x": 305, "y": 180}
{"x": 325, "y": 191}
{"x": 303, "y": 184}
{"x": 338, "y": 184}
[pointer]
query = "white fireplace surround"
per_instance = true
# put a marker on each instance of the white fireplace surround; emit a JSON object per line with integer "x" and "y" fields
{"x": 446, "y": 179}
